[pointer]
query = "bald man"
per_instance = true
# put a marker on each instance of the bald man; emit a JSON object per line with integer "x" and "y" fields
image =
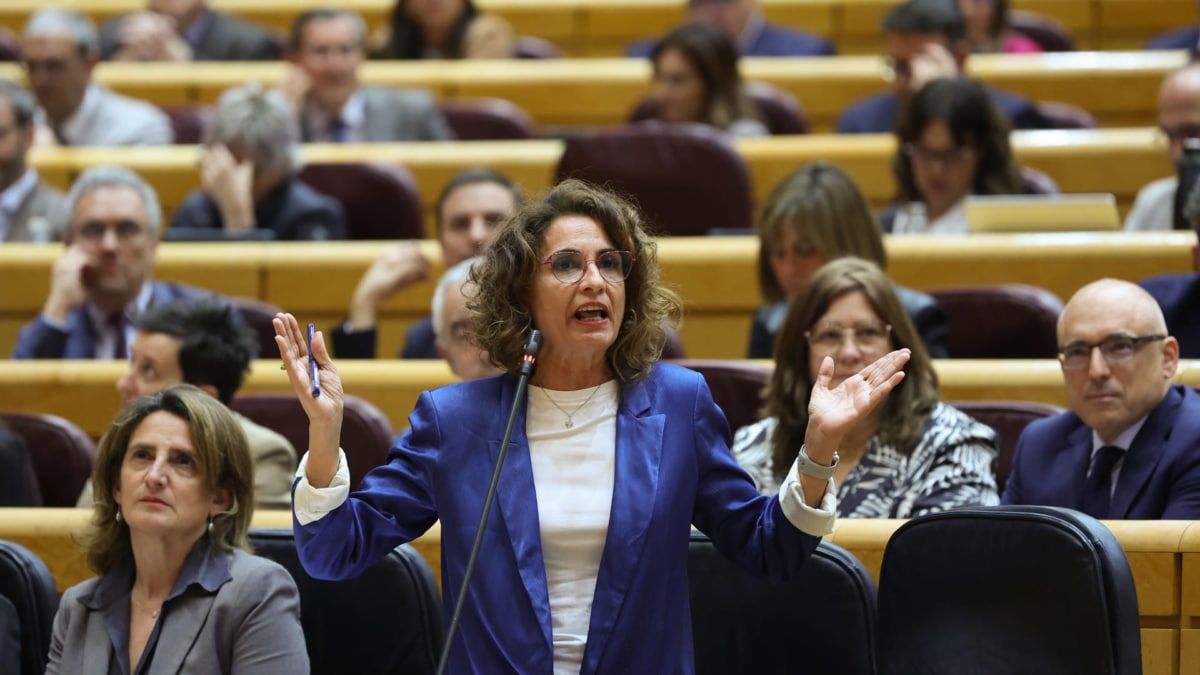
{"x": 1179, "y": 119}
{"x": 1130, "y": 445}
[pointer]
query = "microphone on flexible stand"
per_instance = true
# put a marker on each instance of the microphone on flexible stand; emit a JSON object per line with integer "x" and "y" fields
{"x": 524, "y": 371}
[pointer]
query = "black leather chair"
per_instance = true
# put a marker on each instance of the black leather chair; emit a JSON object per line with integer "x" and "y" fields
{"x": 487, "y": 119}
{"x": 687, "y": 179}
{"x": 821, "y": 622}
{"x": 27, "y": 584}
{"x": 386, "y": 621}
{"x": 736, "y": 386}
{"x": 1000, "y": 321}
{"x": 61, "y": 453}
{"x": 1007, "y": 589}
{"x": 1009, "y": 419}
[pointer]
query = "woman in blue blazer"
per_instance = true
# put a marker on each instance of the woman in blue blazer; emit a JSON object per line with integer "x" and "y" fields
{"x": 583, "y": 565}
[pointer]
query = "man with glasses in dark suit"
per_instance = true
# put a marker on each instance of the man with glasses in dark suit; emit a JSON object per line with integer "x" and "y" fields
{"x": 1129, "y": 448}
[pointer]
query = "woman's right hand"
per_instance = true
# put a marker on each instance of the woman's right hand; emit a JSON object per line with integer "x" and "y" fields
{"x": 324, "y": 411}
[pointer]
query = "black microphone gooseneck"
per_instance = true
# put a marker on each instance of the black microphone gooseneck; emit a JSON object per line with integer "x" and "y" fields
{"x": 528, "y": 362}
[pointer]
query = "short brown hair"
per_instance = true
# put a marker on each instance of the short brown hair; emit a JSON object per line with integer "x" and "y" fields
{"x": 504, "y": 276}
{"x": 790, "y": 387}
{"x": 222, "y": 453}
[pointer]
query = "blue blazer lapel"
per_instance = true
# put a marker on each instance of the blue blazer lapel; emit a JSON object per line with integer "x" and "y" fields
{"x": 1144, "y": 454}
{"x": 517, "y": 508}
{"x": 638, "y": 453}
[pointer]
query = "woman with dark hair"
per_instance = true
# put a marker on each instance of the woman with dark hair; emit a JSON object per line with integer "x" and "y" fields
{"x": 178, "y": 591}
{"x": 614, "y": 456}
{"x": 986, "y": 22}
{"x": 445, "y": 29}
{"x": 696, "y": 79}
{"x": 912, "y": 455}
{"x": 953, "y": 142}
{"x": 815, "y": 215}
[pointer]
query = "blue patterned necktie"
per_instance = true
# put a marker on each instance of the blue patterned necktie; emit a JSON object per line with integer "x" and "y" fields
{"x": 339, "y": 131}
{"x": 1097, "y": 489}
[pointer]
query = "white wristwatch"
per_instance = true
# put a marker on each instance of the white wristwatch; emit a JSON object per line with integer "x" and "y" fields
{"x": 806, "y": 466}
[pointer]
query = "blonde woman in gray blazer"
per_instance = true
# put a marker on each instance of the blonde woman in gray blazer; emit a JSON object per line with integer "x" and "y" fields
{"x": 177, "y": 591}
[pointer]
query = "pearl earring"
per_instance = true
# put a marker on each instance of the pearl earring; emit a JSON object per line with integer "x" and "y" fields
{"x": 210, "y": 523}
{"x": 118, "y": 517}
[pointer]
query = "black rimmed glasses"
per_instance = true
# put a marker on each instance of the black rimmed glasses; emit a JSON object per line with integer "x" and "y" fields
{"x": 828, "y": 338}
{"x": 1114, "y": 348}
{"x": 569, "y": 266}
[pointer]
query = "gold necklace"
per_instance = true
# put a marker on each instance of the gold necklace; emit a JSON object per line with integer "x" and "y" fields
{"x": 570, "y": 423}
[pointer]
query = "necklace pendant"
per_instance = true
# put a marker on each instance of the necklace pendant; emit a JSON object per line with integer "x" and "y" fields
{"x": 569, "y": 424}
{"x": 154, "y": 614}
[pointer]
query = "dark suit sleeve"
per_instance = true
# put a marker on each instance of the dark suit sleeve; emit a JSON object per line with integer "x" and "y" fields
{"x": 1012, "y": 486}
{"x": 1183, "y": 497}
{"x": 198, "y": 211}
{"x": 40, "y": 340}
{"x": 325, "y": 221}
{"x": 357, "y": 345}
{"x": 10, "y": 637}
{"x": 420, "y": 342}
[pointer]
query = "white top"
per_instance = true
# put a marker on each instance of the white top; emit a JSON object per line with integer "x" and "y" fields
{"x": 574, "y": 470}
{"x": 1154, "y": 207}
{"x": 953, "y": 221}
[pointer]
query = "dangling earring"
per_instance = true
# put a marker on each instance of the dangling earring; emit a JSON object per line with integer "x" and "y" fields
{"x": 210, "y": 523}
{"x": 118, "y": 516}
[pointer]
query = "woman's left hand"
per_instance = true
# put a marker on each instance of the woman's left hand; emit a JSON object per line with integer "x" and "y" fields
{"x": 832, "y": 412}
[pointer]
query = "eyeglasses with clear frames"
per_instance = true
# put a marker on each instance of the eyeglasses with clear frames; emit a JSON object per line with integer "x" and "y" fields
{"x": 829, "y": 338}
{"x": 569, "y": 266}
{"x": 1114, "y": 349}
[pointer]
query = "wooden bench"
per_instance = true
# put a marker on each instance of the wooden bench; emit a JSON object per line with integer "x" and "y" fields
{"x": 716, "y": 276}
{"x": 1162, "y": 556}
{"x": 605, "y": 27}
{"x": 576, "y": 93}
{"x": 85, "y": 392}
{"x": 1080, "y": 161}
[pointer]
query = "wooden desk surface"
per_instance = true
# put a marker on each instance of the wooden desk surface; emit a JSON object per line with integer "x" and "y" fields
{"x": 715, "y": 276}
{"x": 577, "y": 93}
{"x": 1080, "y": 161}
{"x": 606, "y": 27}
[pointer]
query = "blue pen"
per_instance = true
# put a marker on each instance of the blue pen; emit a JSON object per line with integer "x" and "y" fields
{"x": 313, "y": 370}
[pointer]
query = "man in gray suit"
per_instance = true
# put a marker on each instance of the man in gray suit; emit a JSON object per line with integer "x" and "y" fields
{"x": 184, "y": 30}
{"x": 326, "y": 49}
{"x": 60, "y": 49}
{"x": 30, "y": 210}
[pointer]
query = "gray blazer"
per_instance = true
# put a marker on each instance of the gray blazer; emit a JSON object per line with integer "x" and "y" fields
{"x": 226, "y": 38}
{"x": 399, "y": 115}
{"x": 41, "y": 202}
{"x": 250, "y": 625}
{"x": 120, "y": 120}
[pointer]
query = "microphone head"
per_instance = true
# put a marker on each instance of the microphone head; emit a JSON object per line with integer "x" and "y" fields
{"x": 534, "y": 344}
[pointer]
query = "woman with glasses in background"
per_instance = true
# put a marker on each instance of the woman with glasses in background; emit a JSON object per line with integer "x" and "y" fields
{"x": 614, "y": 456}
{"x": 952, "y": 142}
{"x": 911, "y": 455}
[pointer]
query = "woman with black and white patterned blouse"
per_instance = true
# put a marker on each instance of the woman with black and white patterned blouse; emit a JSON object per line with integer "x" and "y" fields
{"x": 914, "y": 454}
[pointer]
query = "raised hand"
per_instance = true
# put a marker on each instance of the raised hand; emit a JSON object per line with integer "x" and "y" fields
{"x": 68, "y": 284}
{"x": 398, "y": 267}
{"x": 230, "y": 184}
{"x": 324, "y": 411}
{"x": 833, "y": 412}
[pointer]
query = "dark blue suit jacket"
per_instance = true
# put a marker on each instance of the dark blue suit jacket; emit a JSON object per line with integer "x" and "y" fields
{"x": 673, "y": 469}
{"x": 1179, "y": 297}
{"x": 293, "y": 211}
{"x": 1160, "y": 476}
{"x": 1180, "y": 38}
{"x": 772, "y": 40}
{"x": 877, "y": 113}
{"x": 39, "y": 340}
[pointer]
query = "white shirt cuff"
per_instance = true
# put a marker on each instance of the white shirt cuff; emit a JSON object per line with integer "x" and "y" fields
{"x": 817, "y": 522}
{"x": 310, "y": 504}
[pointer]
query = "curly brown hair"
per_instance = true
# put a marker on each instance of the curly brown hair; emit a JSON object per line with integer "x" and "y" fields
{"x": 504, "y": 276}
{"x": 222, "y": 452}
{"x": 787, "y": 392}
